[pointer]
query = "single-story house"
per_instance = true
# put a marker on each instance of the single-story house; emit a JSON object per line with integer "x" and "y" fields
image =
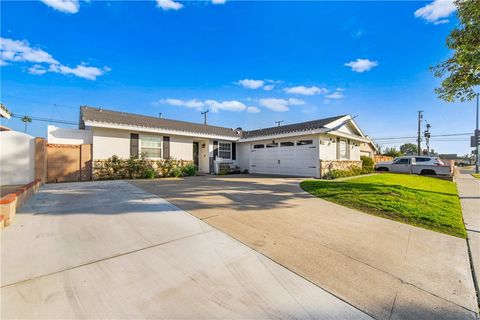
{"x": 308, "y": 149}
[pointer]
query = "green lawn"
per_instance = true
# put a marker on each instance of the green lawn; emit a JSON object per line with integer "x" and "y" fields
{"x": 476, "y": 175}
{"x": 421, "y": 201}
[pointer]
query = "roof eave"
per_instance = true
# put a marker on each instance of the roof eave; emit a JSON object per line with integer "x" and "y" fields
{"x": 109, "y": 125}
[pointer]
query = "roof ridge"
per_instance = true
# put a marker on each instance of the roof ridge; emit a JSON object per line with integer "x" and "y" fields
{"x": 151, "y": 117}
{"x": 299, "y": 123}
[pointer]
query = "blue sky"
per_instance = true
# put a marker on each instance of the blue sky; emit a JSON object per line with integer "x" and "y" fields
{"x": 251, "y": 63}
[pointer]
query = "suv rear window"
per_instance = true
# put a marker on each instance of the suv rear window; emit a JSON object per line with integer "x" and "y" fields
{"x": 422, "y": 159}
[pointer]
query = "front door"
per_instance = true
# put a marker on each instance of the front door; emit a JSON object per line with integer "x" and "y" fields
{"x": 195, "y": 153}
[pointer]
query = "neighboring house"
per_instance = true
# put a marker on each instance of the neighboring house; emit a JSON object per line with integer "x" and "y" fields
{"x": 307, "y": 149}
{"x": 368, "y": 149}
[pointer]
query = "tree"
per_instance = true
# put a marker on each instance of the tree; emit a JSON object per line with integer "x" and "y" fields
{"x": 408, "y": 148}
{"x": 463, "y": 68}
{"x": 26, "y": 119}
{"x": 392, "y": 152}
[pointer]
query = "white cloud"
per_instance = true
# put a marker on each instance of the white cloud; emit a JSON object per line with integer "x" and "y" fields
{"x": 335, "y": 95}
{"x": 81, "y": 71}
{"x": 213, "y": 105}
{"x": 231, "y": 105}
{"x": 250, "y": 83}
{"x": 269, "y": 87}
{"x": 21, "y": 51}
{"x": 253, "y": 110}
{"x": 193, "y": 103}
{"x": 37, "y": 69}
{"x": 219, "y": 1}
{"x": 67, "y": 6}
{"x": 436, "y": 11}
{"x": 306, "y": 91}
{"x": 169, "y": 5}
{"x": 361, "y": 65}
{"x": 15, "y": 50}
{"x": 279, "y": 105}
{"x": 295, "y": 102}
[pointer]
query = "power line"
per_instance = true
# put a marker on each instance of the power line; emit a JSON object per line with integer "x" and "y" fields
{"x": 45, "y": 119}
{"x": 433, "y": 135}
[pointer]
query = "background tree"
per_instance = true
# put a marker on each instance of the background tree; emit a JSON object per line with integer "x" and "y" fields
{"x": 463, "y": 68}
{"x": 26, "y": 120}
{"x": 392, "y": 152}
{"x": 408, "y": 148}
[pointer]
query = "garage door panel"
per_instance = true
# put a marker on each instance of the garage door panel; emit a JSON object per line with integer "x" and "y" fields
{"x": 297, "y": 160}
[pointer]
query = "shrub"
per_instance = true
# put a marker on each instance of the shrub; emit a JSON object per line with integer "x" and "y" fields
{"x": 149, "y": 174}
{"x": 189, "y": 169}
{"x": 367, "y": 164}
{"x": 141, "y": 167}
{"x": 350, "y": 172}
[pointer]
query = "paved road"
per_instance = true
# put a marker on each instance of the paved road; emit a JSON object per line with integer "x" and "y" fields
{"x": 469, "y": 192}
{"x": 111, "y": 250}
{"x": 388, "y": 269}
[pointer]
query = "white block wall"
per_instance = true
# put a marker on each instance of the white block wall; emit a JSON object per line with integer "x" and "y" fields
{"x": 17, "y": 158}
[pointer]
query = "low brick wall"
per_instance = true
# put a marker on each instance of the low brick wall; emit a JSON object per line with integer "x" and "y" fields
{"x": 328, "y": 165}
{"x": 10, "y": 203}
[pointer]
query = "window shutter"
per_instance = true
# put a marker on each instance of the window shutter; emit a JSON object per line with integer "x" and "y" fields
{"x": 234, "y": 151}
{"x": 134, "y": 145}
{"x": 215, "y": 149}
{"x": 166, "y": 147}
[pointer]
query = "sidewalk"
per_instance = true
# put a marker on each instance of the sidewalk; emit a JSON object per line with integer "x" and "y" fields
{"x": 469, "y": 192}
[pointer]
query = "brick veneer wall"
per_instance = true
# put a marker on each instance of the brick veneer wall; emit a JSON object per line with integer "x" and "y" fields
{"x": 328, "y": 165}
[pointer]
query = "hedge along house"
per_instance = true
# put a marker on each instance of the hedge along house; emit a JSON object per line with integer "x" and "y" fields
{"x": 308, "y": 149}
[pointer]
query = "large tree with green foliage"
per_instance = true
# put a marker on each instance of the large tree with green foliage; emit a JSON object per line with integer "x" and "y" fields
{"x": 392, "y": 152}
{"x": 409, "y": 148}
{"x": 463, "y": 68}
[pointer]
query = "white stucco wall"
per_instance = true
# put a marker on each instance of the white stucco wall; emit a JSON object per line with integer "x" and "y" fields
{"x": 68, "y": 136}
{"x": 17, "y": 158}
{"x": 181, "y": 147}
{"x": 109, "y": 142}
{"x": 328, "y": 147}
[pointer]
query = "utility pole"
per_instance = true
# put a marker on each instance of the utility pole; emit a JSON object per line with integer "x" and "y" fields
{"x": 477, "y": 133}
{"x": 427, "y": 138}
{"x": 419, "y": 138}
{"x": 278, "y": 122}
{"x": 204, "y": 113}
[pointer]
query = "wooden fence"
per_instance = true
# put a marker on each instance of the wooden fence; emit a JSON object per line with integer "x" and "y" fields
{"x": 380, "y": 158}
{"x": 66, "y": 162}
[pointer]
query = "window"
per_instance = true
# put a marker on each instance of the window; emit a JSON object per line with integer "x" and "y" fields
{"x": 258, "y": 146}
{"x": 151, "y": 146}
{"x": 287, "y": 144}
{"x": 304, "y": 142}
{"x": 272, "y": 145}
{"x": 225, "y": 150}
{"x": 402, "y": 161}
{"x": 343, "y": 149}
{"x": 421, "y": 159}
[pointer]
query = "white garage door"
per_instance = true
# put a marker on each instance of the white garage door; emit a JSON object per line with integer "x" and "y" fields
{"x": 293, "y": 158}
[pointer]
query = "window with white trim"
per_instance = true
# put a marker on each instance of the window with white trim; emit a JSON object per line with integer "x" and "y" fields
{"x": 151, "y": 146}
{"x": 343, "y": 149}
{"x": 225, "y": 150}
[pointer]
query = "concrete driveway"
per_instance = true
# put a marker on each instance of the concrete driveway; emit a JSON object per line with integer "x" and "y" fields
{"x": 388, "y": 269}
{"x": 111, "y": 250}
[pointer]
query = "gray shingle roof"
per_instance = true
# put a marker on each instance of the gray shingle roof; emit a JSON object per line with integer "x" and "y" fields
{"x": 290, "y": 128}
{"x": 124, "y": 118}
